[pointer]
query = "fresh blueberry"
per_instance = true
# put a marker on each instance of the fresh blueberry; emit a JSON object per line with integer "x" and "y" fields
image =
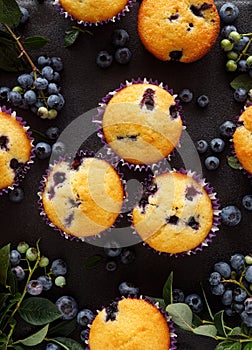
{"x": 67, "y": 306}
{"x": 24, "y": 105}
{"x": 15, "y": 98}
{"x": 123, "y": 55}
{"x": 227, "y": 128}
{"x": 127, "y": 256}
{"x": 56, "y": 77}
{"x": 246, "y": 318}
{"x": 34, "y": 287}
{"x": 218, "y": 290}
{"x": 52, "y": 114}
{"x": 120, "y": 37}
{"x": 53, "y": 89}
{"x": 30, "y": 97}
{"x": 18, "y": 272}
{"x": 84, "y": 334}
{"x": 241, "y": 44}
{"x": 42, "y": 112}
{"x": 31, "y": 254}
{"x": 25, "y": 15}
{"x": 15, "y": 257}
{"x": 57, "y": 64}
{"x": 237, "y": 307}
{"x": 178, "y": 296}
{"x": 22, "y": 247}
{"x": 56, "y": 102}
{"x": 185, "y": 95}
{"x": 237, "y": 262}
{"x": 58, "y": 149}
{"x": 36, "y": 106}
{"x": 247, "y": 202}
{"x": 201, "y": 146}
{"x": 226, "y": 30}
{"x": 25, "y": 80}
{"x": 239, "y": 294}
{"x": 228, "y": 12}
{"x": 126, "y": 288}
{"x": 16, "y": 195}
{"x": 217, "y": 145}
{"x": 111, "y": 266}
{"x": 230, "y": 215}
{"x": 4, "y": 91}
{"x": 104, "y": 59}
{"x": 194, "y": 301}
{"x": 44, "y": 61}
{"x": 248, "y": 274}
{"x": 52, "y": 346}
{"x": 52, "y": 132}
{"x": 240, "y": 95}
{"x": 112, "y": 249}
{"x": 227, "y": 297}
{"x": 46, "y": 282}
{"x": 223, "y": 268}
{"x": 85, "y": 317}
{"x": 41, "y": 83}
{"x": 43, "y": 150}
{"x": 47, "y": 73}
{"x": 242, "y": 66}
{"x": 203, "y": 101}
{"x": 59, "y": 267}
{"x": 60, "y": 281}
{"x": 248, "y": 306}
{"x": 212, "y": 163}
{"x": 229, "y": 312}
{"x": 214, "y": 278}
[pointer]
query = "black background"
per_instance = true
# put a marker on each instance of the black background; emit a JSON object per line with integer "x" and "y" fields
{"x": 83, "y": 85}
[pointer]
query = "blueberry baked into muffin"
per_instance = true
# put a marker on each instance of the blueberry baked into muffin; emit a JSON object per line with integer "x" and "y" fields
{"x": 16, "y": 149}
{"x": 130, "y": 324}
{"x": 182, "y": 30}
{"x": 82, "y": 198}
{"x": 142, "y": 122}
{"x": 177, "y": 213}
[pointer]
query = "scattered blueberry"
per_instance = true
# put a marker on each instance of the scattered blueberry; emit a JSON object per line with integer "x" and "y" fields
{"x": 34, "y": 287}
{"x": 212, "y": 163}
{"x": 58, "y": 149}
{"x": 15, "y": 257}
{"x": 120, "y": 37}
{"x": 227, "y": 128}
{"x": 18, "y": 272}
{"x": 111, "y": 266}
{"x": 247, "y": 202}
{"x": 203, "y": 101}
{"x": 123, "y": 55}
{"x": 126, "y": 288}
{"x": 104, "y": 59}
{"x": 52, "y": 346}
{"x": 52, "y": 133}
{"x": 85, "y": 317}
{"x": 84, "y": 335}
{"x": 231, "y": 215}
{"x": 16, "y": 195}
{"x": 228, "y": 12}
{"x": 112, "y": 249}
{"x": 217, "y": 145}
{"x": 67, "y": 306}
{"x": 240, "y": 95}
{"x": 237, "y": 262}
{"x": 43, "y": 150}
{"x": 194, "y": 301}
{"x": 185, "y": 95}
{"x": 25, "y": 15}
{"x": 127, "y": 256}
{"x": 178, "y": 295}
{"x": 4, "y": 91}
{"x": 59, "y": 267}
{"x": 201, "y": 146}
{"x": 46, "y": 282}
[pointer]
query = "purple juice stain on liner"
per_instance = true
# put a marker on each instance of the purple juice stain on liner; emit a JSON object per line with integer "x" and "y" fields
{"x": 191, "y": 192}
{"x": 4, "y": 141}
{"x": 148, "y": 99}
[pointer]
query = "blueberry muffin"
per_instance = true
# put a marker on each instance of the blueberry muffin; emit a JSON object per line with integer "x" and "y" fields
{"x": 182, "y": 30}
{"x": 82, "y": 198}
{"x": 130, "y": 324}
{"x": 142, "y": 123}
{"x": 16, "y": 149}
{"x": 176, "y": 213}
{"x": 242, "y": 139}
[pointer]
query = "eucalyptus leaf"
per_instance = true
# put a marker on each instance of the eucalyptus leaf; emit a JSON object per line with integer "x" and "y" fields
{"x": 207, "y": 304}
{"x": 4, "y": 264}
{"x": 38, "y": 311}
{"x": 206, "y": 330}
{"x": 181, "y": 315}
{"x": 219, "y": 323}
{"x": 236, "y": 346}
{"x": 93, "y": 261}
{"x": 10, "y": 13}
{"x": 9, "y": 60}
{"x": 157, "y": 300}
{"x": 167, "y": 290}
{"x": 6, "y": 38}
{"x": 235, "y": 331}
{"x": 224, "y": 345}
{"x": 234, "y": 163}
{"x": 63, "y": 328}
{"x": 71, "y": 36}
{"x": 68, "y": 343}
{"x": 35, "y": 42}
{"x": 18, "y": 347}
{"x": 248, "y": 346}
{"x": 35, "y": 338}
{"x": 242, "y": 81}
{"x": 196, "y": 321}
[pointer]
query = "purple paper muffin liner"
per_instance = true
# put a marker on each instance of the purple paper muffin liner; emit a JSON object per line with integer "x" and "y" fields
{"x": 216, "y": 213}
{"x": 99, "y": 116}
{"x": 168, "y": 319}
{"x": 121, "y": 14}
{"x": 25, "y": 168}
{"x": 80, "y": 155}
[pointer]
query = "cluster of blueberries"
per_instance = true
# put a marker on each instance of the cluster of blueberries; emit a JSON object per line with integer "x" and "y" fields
{"x": 232, "y": 282}
{"x": 194, "y": 301}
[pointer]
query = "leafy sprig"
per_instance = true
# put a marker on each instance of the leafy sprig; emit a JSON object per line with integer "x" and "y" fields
{"x": 72, "y": 34}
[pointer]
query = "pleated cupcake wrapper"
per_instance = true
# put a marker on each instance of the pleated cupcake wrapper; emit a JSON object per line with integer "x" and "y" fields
{"x": 97, "y": 119}
{"x": 27, "y": 165}
{"x": 216, "y": 214}
{"x": 88, "y": 239}
{"x": 115, "y": 18}
{"x": 168, "y": 319}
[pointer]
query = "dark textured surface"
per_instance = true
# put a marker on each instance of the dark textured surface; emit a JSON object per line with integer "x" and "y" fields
{"x": 83, "y": 85}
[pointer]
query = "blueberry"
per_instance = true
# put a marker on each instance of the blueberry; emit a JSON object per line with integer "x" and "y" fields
{"x": 58, "y": 149}
{"x": 30, "y": 97}
{"x": 44, "y": 261}
{"x": 126, "y": 288}
{"x": 241, "y": 44}
{"x": 25, "y": 80}
{"x": 185, "y": 95}
{"x": 227, "y": 128}
{"x": 248, "y": 274}
{"x": 52, "y": 114}
{"x": 226, "y": 30}
{"x": 22, "y": 247}
{"x": 230, "y": 215}
{"x": 36, "y": 106}
{"x": 18, "y": 272}
{"x": 242, "y": 66}
{"x": 59, "y": 267}
{"x": 34, "y": 287}
{"x": 44, "y": 61}
{"x": 46, "y": 282}
{"x": 201, "y": 146}
{"x": 112, "y": 249}
{"x": 194, "y": 301}
{"x": 178, "y": 296}
{"x": 53, "y": 132}
{"x": 43, "y": 150}
{"x": 15, "y": 98}
{"x": 212, "y": 163}
{"x": 218, "y": 290}
{"x": 120, "y": 37}
{"x": 31, "y": 254}
{"x": 4, "y": 92}
{"x": 223, "y": 268}
{"x": 239, "y": 294}
{"x": 42, "y": 112}
{"x": 56, "y": 77}
{"x": 229, "y": 312}
{"x": 24, "y": 105}
{"x": 53, "y": 89}
{"x": 246, "y": 318}
{"x": 25, "y": 15}
{"x": 16, "y": 195}
{"x": 84, "y": 334}
{"x": 52, "y": 346}
{"x": 217, "y": 145}
{"x": 56, "y": 102}
{"x": 41, "y": 83}
{"x": 123, "y": 55}
{"x": 247, "y": 202}
{"x": 228, "y": 12}
{"x": 47, "y": 73}
{"x": 214, "y": 278}
{"x": 248, "y": 259}
{"x": 67, "y": 306}
{"x": 248, "y": 306}
{"x": 57, "y": 64}
{"x": 127, "y": 256}
{"x": 60, "y": 281}
{"x": 237, "y": 262}
{"x": 203, "y": 101}
{"x": 85, "y": 317}
{"x": 237, "y": 307}
{"x": 15, "y": 257}
{"x": 104, "y": 59}
{"x": 227, "y": 297}
{"x": 240, "y": 95}
{"x": 111, "y": 266}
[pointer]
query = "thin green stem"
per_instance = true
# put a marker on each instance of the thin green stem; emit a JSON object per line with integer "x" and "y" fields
{"x": 238, "y": 284}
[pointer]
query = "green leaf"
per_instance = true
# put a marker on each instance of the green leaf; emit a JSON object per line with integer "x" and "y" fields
{"x": 242, "y": 81}
{"x": 235, "y": 331}
{"x": 9, "y": 60}
{"x": 38, "y": 311}
{"x": 35, "y": 42}
{"x": 167, "y": 290}
{"x": 11, "y": 282}
{"x": 157, "y": 300}
{"x": 18, "y": 347}
{"x": 196, "y": 320}
{"x": 4, "y": 263}
{"x": 207, "y": 304}
{"x": 35, "y": 338}
{"x": 63, "y": 328}
{"x": 93, "y": 261}
{"x": 206, "y": 330}
{"x": 236, "y": 346}
{"x": 233, "y": 162}
{"x": 181, "y": 315}
{"x": 3, "y": 298}
{"x": 224, "y": 345}
{"x": 71, "y": 36}
{"x": 10, "y": 13}
{"x": 219, "y": 323}
{"x": 6, "y": 38}
{"x": 248, "y": 346}
{"x": 3, "y": 338}
{"x": 67, "y": 343}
